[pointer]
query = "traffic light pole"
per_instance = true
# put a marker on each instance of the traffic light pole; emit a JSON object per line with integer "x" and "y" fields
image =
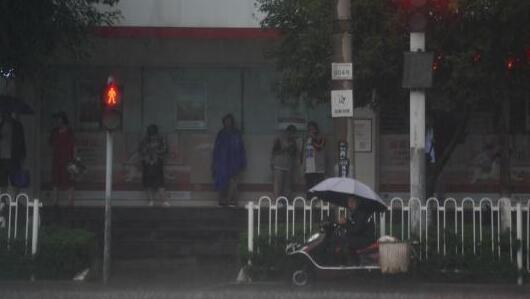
{"x": 417, "y": 143}
{"x": 108, "y": 191}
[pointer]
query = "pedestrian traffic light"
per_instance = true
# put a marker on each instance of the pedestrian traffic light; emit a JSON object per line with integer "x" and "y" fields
{"x": 477, "y": 57}
{"x": 510, "y": 64}
{"x": 111, "y": 115}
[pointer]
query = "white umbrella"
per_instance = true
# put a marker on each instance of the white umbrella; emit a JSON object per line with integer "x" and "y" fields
{"x": 337, "y": 190}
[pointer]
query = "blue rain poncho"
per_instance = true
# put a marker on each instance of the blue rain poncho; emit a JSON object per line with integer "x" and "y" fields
{"x": 229, "y": 157}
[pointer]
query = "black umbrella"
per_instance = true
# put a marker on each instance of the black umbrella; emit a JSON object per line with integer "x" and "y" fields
{"x": 337, "y": 190}
{"x": 9, "y": 104}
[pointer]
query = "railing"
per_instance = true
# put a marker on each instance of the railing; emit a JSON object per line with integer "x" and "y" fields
{"x": 474, "y": 223}
{"x": 31, "y": 219}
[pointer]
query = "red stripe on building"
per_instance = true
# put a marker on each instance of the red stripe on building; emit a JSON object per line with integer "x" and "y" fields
{"x": 186, "y": 32}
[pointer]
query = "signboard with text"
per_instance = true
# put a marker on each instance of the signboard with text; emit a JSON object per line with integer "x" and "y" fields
{"x": 341, "y": 71}
{"x": 342, "y": 103}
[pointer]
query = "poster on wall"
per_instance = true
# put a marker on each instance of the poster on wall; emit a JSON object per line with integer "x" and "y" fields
{"x": 191, "y": 105}
{"x": 363, "y": 135}
{"x": 292, "y": 114}
{"x": 474, "y": 166}
{"x": 88, "y": 109}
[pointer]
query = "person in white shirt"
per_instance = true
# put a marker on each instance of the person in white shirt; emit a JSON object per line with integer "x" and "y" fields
{"x": 283, "y": 161}
{"x": 313, "y": 156}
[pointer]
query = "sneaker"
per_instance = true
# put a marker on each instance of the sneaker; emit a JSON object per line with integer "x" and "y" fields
{"x": 151, "y": 203}
{"x": 166, "y": 204}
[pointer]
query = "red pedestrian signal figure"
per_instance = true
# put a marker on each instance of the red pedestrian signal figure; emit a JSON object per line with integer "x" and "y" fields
{"x": 112, "y": 95}
{"x": 111, "y": 113}
{"x": 510, "y": 64}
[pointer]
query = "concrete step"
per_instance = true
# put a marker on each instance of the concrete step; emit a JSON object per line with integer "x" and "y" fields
{"x": 160, "y": 232}
{"x": 173, "y": 249}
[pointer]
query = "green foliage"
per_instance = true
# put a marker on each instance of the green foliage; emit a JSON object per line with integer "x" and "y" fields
{"x": 476, "y": 39}
{"x": 303, "y": 57}
{"x": 269, "y": 260}
{"x": 31, "y": 30}
{"x": 304, "y": 54}
{"x": 62, "y": 253}
{"x": 14, "y": 264}
{"x": 496, "y": 29}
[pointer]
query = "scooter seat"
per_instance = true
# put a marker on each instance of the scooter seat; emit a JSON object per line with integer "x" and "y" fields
{"x": 369, "y": 249}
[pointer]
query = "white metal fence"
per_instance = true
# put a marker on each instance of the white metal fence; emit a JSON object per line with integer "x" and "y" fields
{"x": 14, "y": 208}
{"x": 447, "y": 226}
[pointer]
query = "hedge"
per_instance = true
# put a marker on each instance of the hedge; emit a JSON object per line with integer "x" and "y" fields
{"x": 61, "y": 254}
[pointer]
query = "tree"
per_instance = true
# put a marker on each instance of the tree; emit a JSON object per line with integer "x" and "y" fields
{"x": 482, "y": 45}
{"x": 473, "y": 41}
{"x": 303, "y": 58}
{"x": 32, "y": 30}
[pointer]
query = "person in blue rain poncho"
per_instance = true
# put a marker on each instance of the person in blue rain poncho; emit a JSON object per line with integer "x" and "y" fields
{"x": 229, "y": 159}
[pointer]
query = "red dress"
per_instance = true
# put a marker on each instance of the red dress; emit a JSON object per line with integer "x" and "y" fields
{"x": 62, "y": 141}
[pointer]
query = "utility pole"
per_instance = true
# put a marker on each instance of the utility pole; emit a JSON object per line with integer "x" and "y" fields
{"x": 342, "y": 87}
{"x": 417, "y": 141}
{"x": 417, "y": 77}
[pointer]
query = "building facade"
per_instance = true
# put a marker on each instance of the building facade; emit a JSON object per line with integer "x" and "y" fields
{"x": 183, "y": 65}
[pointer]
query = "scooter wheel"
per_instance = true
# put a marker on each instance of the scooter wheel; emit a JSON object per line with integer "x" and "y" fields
{"x": 302, "y": 277}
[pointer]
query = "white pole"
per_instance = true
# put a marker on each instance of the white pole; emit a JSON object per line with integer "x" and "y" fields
{"x": 417, "y": 143}
{"x": 250, "y": 209}
{"x": 520, "y": 244}
{"x": 108, "y": 192}
{"x": 35, "y": 229}
{"x": 382, "y": 227}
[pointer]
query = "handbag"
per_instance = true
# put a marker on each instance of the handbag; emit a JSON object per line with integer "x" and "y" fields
{"x": 76, "y": 168}
{"x": 20, "y": 178}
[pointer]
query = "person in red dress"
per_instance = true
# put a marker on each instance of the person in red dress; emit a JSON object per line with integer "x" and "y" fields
{"x": 63, "y": 146}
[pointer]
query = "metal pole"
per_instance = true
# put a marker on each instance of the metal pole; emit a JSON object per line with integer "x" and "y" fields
{"x": 417, "y": 143}
{"x": 108, "y": 192}
{"x": 519, "y": 244}
{"x": 35, "y": 229}
{"x": 250, "y": 209}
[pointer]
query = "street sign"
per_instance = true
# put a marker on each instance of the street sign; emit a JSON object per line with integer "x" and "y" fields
{"x": 342, "y": 103}
{"x": 341, "y": 71}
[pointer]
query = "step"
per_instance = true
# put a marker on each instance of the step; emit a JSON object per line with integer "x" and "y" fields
{"x": 139, "y": 234}
{"x": 143, "y": 249}
{"x": 160, "y": 232}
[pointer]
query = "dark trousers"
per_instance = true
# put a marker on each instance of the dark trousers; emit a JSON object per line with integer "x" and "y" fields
{"x": 311, "y": 179}
{"x": 7, "y": 168}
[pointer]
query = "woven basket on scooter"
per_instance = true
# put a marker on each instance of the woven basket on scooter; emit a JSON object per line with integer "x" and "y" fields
{"x": 394, "y": 257}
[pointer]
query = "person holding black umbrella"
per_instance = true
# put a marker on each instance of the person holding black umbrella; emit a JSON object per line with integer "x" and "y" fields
{"x": 358, "y": 225}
